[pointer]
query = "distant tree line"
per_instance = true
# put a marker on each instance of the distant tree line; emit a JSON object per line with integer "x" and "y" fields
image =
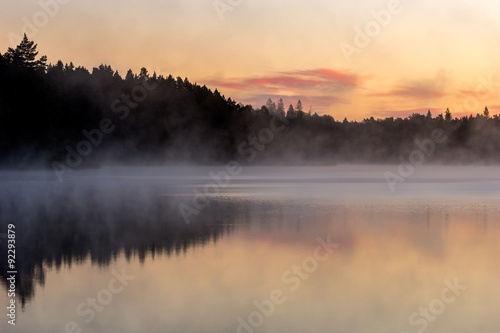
{"x": 70, "y": 115}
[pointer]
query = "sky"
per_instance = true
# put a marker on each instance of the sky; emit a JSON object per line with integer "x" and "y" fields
{"x": 354, "y": 59}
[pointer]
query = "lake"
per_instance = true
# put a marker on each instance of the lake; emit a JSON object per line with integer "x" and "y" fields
{"x": 254, "y": 249}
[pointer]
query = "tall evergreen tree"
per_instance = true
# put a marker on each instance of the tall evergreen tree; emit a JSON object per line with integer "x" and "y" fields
{"x": 130, "y": 75}
{"x": 291, "y": 112}
{"x": 299, "y": 107}
{"x": 447, "y": 115}
{"x": 271, "y": 106}
{"x": 486, "y": 112}
{"x": 281, "y": 108}
{"x": 25, "y": 56}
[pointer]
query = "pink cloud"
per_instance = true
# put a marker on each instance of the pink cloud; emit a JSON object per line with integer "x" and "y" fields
{"x": 423, "y": 89}
{"x": 346, "y": 79}
{"x": 300, "y": 80}
{"x": 319, "y": 88}
{"x": 470, "y": 93}
{"x": 413, "y": 92}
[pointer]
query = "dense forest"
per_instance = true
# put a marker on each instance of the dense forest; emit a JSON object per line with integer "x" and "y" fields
{"x": 62, "y": 117}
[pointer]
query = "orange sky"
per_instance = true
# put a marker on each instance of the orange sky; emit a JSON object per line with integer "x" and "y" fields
{"x": 357, "y": 59}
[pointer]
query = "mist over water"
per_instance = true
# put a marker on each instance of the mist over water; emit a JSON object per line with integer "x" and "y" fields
{"x": 396, "y": 248}
{"x": 362, "y": 196}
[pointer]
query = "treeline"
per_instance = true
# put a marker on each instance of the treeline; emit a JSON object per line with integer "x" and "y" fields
{"x": 65, "y": 116}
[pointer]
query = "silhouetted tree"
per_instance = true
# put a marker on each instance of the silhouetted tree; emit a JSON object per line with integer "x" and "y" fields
{"x": 290, "y": 112}
{"x": 130, "y": 75}
{"x": 271, "y": 106}
{"x": 25, "y": 56}
{"x": 44, "y": 111}
{"x": 69, "y": 67}
{"x": 299, "y": 107}
{"x": 447, "y": 116}
{"x": 281, "y": 108}
{"x": 143, "y": 75}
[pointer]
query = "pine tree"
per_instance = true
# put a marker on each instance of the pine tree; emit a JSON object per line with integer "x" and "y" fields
{"x": 291, "y": 112}
{"x": 299, "y": 106}
{"x": 24, "y": 56}
{"x": 486, "y": 112}
{"x": 271, "y": 106}
{"x": 144, "y": 75}
{"x": 447, "y": 115}
{"x": 130, "y": 75}
{"x": 281, "y": 107}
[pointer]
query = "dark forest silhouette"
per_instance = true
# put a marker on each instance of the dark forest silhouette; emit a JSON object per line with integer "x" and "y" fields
{"x": 47, "y": 110}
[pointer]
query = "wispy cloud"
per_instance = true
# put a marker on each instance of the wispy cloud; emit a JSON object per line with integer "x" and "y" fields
{"x": 470, "y": 93}
{"x": 421, "y": 90}
{"x": 422, "y": 93}
{"x": 319, "y": 88}
{"x": 303, "y": 80}
{"x": 336, "y": 78}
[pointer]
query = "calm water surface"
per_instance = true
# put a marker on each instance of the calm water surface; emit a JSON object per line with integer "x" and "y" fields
{"x": 109, "y": 251}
